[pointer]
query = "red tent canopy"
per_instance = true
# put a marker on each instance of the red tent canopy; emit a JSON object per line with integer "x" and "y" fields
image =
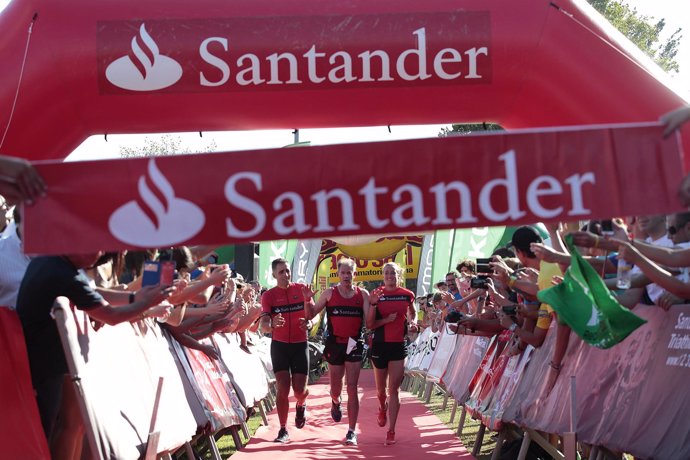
{"x": 126, "y": 67}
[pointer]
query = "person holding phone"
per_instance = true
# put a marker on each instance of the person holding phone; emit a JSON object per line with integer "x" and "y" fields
{"x": 391, "y": 312}
{"x": 284, "y": 316}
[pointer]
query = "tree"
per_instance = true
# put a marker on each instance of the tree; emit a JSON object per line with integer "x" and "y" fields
{"x": 642, "y": 31}
{"x": 167, "y": 144}
{"x": 468, "y": 128}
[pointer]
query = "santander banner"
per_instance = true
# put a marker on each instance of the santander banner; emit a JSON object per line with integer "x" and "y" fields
{"x": 301, "y": 52}
{"x": 402, "y": 187}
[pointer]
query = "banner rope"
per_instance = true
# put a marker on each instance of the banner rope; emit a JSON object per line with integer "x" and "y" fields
{"x": 21, "y": 76}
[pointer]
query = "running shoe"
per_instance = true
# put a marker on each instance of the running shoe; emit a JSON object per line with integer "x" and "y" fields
{"x": 336, "y": 413}
{"x": 351, "y": 438}
{"x": 300, "y": 416}
{"x": 283, "y": 436}
{"x": 390, "y": 438}
{"x": 382, "y": 417}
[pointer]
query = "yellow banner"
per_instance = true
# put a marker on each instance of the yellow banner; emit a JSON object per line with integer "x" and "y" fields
{"x": 372, "y": 270}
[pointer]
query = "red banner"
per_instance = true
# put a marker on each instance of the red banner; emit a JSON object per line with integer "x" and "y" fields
{"x": 301, "y": 52}
{"x": 317, "y": 192}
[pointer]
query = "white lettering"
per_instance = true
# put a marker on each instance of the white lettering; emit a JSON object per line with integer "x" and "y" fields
{"x": 369, "y": 193}
{"x": 254, "y": 69}
{"x": 472, "y": 53}
{"x": 575, "y": 182}
{"x": 439, "y": 60}
{"x": 534, "y": 192}
{"x": 511, "y": 186}
{"x": 245, "y": 204}
{"x": 294, "y": 212}
{"x": 214, "y": 61}
{"x": 420, "y": 52}
{"x": 321, "y": 198}
{"x": 311, "y": 56}
{"x": 345, "y": 67}
{"x": 366, "y": 65}
{"x": 441, "y": 191}
{"x": 415, "y": 205}
{"x": 275, "y": 71}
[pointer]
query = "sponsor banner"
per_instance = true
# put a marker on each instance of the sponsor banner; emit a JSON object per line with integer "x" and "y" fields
{"x": 466, "y": 358}
{"x": 305, "y": 260}
{"x": 515, "y": 178}
{"x": 268, "y": 53}
{"x": 213, "y": 386}
{"x": 425, "y": 266}
{"x": 372, "y": 270}
{"x": 441, "y": 358}
{"x": 118, "y": 370}
{"x": 246, "y": 369}
{"x": 628, "y": 398}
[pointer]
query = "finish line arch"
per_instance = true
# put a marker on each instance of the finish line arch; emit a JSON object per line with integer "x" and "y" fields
{"x": 108, "y": 67}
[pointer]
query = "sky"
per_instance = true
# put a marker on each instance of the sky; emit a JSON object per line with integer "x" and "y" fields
{"x": 675, "y": 12}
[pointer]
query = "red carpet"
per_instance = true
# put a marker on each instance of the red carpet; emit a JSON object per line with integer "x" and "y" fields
{"x": 419, "y": 433}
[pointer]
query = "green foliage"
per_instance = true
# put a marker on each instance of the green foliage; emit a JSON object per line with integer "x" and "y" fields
{"x": 167, "y": 144}
{"x": 643, "y": 31}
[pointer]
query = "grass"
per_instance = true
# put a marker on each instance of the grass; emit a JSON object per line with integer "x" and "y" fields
{"x": 470, "y": 430}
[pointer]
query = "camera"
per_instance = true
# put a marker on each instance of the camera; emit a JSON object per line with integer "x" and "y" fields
{"x": 480, "y": 282}
{"x": 454, "y": 316}
{"x": 483, "y": 267}
{"x": 510, "y": 310}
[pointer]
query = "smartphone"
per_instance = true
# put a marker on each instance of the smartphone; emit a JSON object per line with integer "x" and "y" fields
{"x": 212, "y": 259}
{"x": 483, "y": 266}
{"x": 607, "y": 227}
{"x": 510, "y": 310}
{"x": 156, "y": 272}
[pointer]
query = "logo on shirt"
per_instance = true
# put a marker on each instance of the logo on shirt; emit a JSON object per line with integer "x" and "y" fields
{"x": 148, "y": 71}
{"x": 158, "y": 218}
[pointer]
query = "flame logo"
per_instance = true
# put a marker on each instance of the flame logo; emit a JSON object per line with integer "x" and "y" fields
{"x": 149, "y": 71}
{"x": 157, "y": 217}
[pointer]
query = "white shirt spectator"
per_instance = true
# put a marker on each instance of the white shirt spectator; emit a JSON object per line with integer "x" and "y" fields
{"x": 13, "y": 264}
{"x": 654, "y": 291}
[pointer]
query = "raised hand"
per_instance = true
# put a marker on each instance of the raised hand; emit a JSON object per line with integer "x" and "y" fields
{"x": 308, "y": 293}
{"x": 19, "y": 181}
{"x": 153, "y": 295}
{"x": 305, "y": 324}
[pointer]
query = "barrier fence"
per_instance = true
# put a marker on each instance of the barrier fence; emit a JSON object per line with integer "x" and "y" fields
{"x": 141, "y": 393}
{"x": 629, "y": 398}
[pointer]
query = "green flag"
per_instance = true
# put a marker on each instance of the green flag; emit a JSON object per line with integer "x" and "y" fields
{"x": 585, "y": 304}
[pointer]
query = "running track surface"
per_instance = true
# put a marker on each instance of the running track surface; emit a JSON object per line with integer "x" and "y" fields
{"x": 420, "y": 435}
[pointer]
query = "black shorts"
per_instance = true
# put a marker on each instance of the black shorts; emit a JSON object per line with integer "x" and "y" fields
{"x": 336, "y": 353}
{"x": 384, "y": 352}
{"x": 293, "y": 357}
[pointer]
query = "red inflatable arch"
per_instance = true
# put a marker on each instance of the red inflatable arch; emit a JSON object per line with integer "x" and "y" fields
{"x": 162, "y": 66}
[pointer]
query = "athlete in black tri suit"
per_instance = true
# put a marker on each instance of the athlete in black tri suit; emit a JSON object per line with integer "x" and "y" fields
{"x": 283, "y": 315}
{"x": 346, "y": 307}
{"x": 390, "y": 313}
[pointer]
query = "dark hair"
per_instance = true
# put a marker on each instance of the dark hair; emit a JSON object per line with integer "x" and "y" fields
{"x": 682, "y": 219}
{"x": 437, "y": 297}
{"x": 593, "y": 226}
{"x": 469, "y": 263}
{"x": 454, "y": 274}
{"x": 523, "y": 237}
{"x": 278, "y": 261}
{"x": 504, "y": 252}
{"x": 182, "y": 256}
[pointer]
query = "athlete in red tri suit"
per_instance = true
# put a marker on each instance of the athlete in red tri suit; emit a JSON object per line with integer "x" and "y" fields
{"x": 346, "y": 307}
{"x": 391, "y": 311}
{"x": 283, "y": 315}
